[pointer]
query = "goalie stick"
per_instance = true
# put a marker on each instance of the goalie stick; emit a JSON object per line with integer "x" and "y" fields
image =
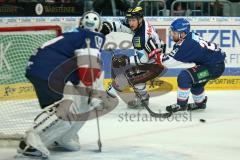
{"x": 153, "y": 114}
{"x": 90, "y": 94}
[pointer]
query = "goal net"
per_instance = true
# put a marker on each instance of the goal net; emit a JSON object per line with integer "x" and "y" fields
{"x": 18, "y": 103}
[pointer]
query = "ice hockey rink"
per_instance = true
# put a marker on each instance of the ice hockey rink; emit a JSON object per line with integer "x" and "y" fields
{"x": 132, "y": 134}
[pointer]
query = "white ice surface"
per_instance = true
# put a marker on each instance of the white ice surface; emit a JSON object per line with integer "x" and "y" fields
{"x": 178, "y": 138}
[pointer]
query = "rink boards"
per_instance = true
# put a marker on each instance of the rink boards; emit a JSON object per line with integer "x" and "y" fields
{"x": 224, "y": 31}
{"x": 26, "y": 90}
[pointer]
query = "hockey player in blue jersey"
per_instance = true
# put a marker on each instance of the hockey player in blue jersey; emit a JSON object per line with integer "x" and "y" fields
{"x": 44, "y": 72}
{"x": 209, "y": 64}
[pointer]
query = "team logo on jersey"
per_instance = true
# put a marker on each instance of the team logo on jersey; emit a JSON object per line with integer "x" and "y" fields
{"x": 98, "y": 42}
{"x": 137, "y": 42}
{"x": 203, "y": 74}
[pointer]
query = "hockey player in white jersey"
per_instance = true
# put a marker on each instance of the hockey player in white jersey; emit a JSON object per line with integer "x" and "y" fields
{"x": 54, "y": 125}
{"x": 147, "y": 45}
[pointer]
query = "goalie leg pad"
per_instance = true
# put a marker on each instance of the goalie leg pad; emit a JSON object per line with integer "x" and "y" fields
{"x": 49, "y": 122}
{"x": 33, "y": 145}
{"x": 70, "y": 140}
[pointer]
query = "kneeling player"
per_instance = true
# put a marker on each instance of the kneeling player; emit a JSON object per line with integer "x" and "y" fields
{"x": 45, "y": 71}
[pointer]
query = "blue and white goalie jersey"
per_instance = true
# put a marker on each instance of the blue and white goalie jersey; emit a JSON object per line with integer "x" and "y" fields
{"x": 60, "y": 49}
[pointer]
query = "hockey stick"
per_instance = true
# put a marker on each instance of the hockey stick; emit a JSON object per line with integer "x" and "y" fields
{"x": 99, "y": 136}
{"x": 153, "y": 114}
{"x": 90, "y": 94}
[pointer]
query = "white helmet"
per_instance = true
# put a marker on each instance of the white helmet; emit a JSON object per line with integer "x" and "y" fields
{"x": 91, "y": 21}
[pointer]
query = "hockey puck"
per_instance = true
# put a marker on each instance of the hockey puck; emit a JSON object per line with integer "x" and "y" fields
{"x": 202, "y": 120}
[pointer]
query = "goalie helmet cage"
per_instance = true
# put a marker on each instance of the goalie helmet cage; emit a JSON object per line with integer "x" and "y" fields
{"x": 18, "y": 103}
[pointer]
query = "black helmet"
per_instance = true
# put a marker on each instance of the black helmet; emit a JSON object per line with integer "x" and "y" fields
{"x": 136, "y": 12}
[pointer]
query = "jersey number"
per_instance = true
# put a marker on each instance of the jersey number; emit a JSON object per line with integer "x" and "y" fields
{"x": 208, "y": 45}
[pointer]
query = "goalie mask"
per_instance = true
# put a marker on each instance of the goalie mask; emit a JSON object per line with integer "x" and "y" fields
{"x": 91, "y": 21}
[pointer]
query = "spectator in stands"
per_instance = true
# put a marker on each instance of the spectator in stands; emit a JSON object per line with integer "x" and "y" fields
{"x": 169, "y": 3}
{"x": 106, "y": 8}
{"x": 216, "y": 9}
{"x": 196, "y": 9}
{"x": 152, "y": 8}
{"x": 179, "y": 9}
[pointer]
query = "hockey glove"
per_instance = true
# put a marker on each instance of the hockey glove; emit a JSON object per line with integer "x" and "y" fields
{"x": 106, "y": 28}
{"x": 120, "y": 61}
{"x": 150, "y": 45}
